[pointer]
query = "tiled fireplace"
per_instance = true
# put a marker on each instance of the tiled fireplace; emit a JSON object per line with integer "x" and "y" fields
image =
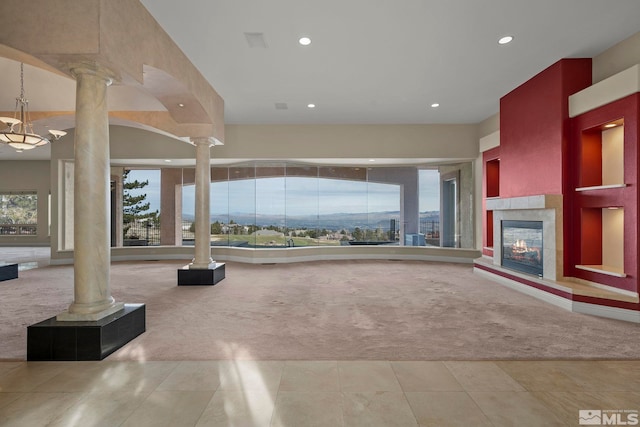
{"x": 536, "y": 254}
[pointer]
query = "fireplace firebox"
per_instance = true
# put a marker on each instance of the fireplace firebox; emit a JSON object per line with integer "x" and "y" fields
{"x": 522, "y": 246}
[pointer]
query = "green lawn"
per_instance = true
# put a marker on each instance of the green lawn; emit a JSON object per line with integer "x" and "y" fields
{"x": 272, "y": 240}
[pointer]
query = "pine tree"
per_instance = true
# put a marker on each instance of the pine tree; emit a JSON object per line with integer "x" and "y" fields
{"x": 134, "y": 207}
{"x": 358, "y": 235}
{"x": 216, "y": 228}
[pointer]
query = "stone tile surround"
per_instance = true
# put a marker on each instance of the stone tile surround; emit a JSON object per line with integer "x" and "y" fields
{"x": 546, "y": 208}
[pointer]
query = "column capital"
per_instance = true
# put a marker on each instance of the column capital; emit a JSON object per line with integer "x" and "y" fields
{"x": 211, "y": 141}
{"x": 92, "y": 68}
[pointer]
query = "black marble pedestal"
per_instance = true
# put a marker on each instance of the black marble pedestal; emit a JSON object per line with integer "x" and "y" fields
{"x": 85, "y": 340}
{"x": 201, "y": 277}
{"x": 8, "y": 271}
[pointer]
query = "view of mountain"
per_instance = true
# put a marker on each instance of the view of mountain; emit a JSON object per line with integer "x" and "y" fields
{"x": 335, "y": 221}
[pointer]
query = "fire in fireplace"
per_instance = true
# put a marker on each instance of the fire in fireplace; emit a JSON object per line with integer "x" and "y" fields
{"x": 522, "y": 246}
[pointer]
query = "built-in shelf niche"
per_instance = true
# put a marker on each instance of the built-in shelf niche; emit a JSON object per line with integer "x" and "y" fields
{"x": 493, "y": 178}
{"x": 489, "y": 229}
{"x": 602, "y": 156}
{"x": 602, "y": 241}
{"x": 492, "y": 191}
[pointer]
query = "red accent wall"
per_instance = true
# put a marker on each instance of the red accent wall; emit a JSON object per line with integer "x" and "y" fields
{"x": 591, "y": 232}
{"x": 534, "y": 129}
{"x": 590, "y": 164}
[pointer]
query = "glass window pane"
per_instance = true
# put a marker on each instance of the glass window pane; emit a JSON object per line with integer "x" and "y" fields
{"x": 19, "y": 213}
{"x": 430, "y": 205}
{"x": 302, "y": 205}
{"x": 219, "y": 211}
{"x": 270, "y": 212}
{"x": 188, "y": 214}
{"x": 383, "y": 212}
{"x": 242, "y": 206}
{"x": 342, "y": 207}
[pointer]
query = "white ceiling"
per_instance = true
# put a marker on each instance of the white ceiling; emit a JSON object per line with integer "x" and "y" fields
{"x": 384, "y": 61}
{"x": 370, "y": 61}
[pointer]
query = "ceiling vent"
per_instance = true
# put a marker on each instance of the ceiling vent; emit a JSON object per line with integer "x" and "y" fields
{"x": 256, "y": 40}
{"x": 281, "y": 106}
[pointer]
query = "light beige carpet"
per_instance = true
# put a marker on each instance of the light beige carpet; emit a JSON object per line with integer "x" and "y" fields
{"x": 375, "y": 310}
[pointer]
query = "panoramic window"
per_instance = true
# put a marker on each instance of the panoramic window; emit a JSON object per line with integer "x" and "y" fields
{"x": 19, "y": 214}
{"x": 280, "y": 205}
{"x": 276, "y": 205}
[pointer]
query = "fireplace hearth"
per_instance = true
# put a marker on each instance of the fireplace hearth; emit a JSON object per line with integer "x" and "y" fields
{"x": 522, "y": 247}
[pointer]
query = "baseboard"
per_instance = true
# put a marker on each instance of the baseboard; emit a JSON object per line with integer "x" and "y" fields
{"x": 562, "y": 301}
{"x": 608, "y": 312}
{"x": 547, "y": 297}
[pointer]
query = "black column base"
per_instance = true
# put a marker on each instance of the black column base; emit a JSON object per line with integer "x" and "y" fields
{"x": 53, "y": 340}
{"x": 8, "y": 271}
{"x": 201, "y": 277}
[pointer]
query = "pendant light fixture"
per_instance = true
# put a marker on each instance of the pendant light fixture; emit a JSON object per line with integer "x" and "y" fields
{"x": 18, "y": 130}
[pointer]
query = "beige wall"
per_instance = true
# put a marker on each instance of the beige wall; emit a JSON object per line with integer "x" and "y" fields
{"x": 349, "y": 141}
{"x": 613, "y": 156}
{"x": 617, "y": 58}
{"x": 613, "y": 238}
{"x": 489, "y": 126}
{"x": 131, "y": 143}
{"x": 28, "y": 176}
{"x": 282, "y": 142}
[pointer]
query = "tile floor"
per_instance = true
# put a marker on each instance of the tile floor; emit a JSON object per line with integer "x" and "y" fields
{"x": 316, "y": 393}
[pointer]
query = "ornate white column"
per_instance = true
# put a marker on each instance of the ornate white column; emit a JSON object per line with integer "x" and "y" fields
{"x": 202, "y": 258}
{"x": 92, "y": 294}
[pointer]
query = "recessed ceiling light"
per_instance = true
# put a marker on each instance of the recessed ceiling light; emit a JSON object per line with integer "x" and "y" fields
{"x": 610, "y": 125}
{"x": 435, "y": 105}
{"x": 372, "y": 160}
{"x": 181, "y": 105}
{"x": 311, "y": 105}
{"x": 304, "y": 41}
{"x": 505, "y": 40}
{"x": 167, "y": 160}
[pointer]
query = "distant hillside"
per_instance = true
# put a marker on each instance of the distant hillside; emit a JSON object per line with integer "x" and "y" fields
{"x": 333, "y": 221}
